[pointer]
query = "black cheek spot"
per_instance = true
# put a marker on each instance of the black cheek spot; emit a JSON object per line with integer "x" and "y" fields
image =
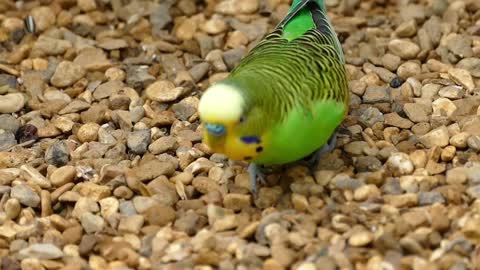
{"x": 259, "y": 149}
{"x": 247, "y": 158}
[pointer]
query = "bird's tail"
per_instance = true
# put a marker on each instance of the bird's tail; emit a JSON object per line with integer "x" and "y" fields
{"x": 321, "y": 3}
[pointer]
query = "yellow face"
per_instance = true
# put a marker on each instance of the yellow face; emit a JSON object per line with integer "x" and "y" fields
{"x": 230, "y": 143}
{"x": 221, "y": 111}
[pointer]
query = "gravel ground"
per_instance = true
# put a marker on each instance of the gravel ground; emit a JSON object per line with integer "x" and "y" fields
{"x": 102, "y": 164}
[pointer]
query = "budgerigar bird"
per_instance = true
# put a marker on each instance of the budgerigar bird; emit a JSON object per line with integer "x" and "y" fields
{"x": 285, "y": 99}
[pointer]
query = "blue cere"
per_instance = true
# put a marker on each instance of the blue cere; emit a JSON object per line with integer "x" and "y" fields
{"x": 216, "y": 130}
{"x": 250, "y": 139}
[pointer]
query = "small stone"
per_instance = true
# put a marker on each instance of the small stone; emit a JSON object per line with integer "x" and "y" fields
{"x": 214, "y": 26}
{"x": 462, "y": 77}
{"x": 154, "y": 168}
{"x": 300, "y": 202}
{"x": 66, "y": 74}
{"x": 428, "y": 198}
{"x": 163, "y": 144}
{"x": 204, "y": 184}
{"x": 391, "y": 62}
{"x": 457, "y": 176}
{"x": 443, "y": 107}
{"x": 415, "y": 112}
{"x": 371, "y": 116}
{"x": 7, "y": 140}
{"x": 451, "y": 92}
{"x": 448, "y": 153}
{"x": 57, "y": 154}
{"x": 88, "y": 132}
{"x": 44, "y": 251}
{"x": 473, "y": 142}
{"x": 33, "y": 175}
{"x": 409, "y": 69}
{"x": 236, "y": 202}
{"x": 375, "y": 94}
{"x": 404, "y": 48}
{"x": 403, "y": 200}
{"x": 63, "y": 175}
{"x": 159, "y": 215}
{"x": 51, "y": 46}
{"x": 393, "y": 119}
{"x": 232, "y": 57}
{"x": 92, "y": 59}
{"x": 164, "y": 91}
{"x": 44, "y": 17}
{"x": 9, "y": 123}
{"x": 87, "y": 5}
{"x": 359, "y": 239}
{"x": 437, "y": 137}
{"x": 471, "y": 64}
{"x": 366, "y": 192}
{"x": 25, "y": 195}
{"x": 11, "y": 103}
{"x": 131, "y": 224}
{"x": 12, "y": 208}
{"x": 400, "y": 164}
{"x": 93, "y": 191}
{"x": 406, "y": 29}
{"x": 138, "y": 141}
{"x": 460, "y": 140}
{"x": 92, "y": 223}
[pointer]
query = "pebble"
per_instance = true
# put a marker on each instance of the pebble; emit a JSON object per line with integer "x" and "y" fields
{"x": 159, "y": 215}
{"x": 44, "y": 17}
{"x": 471, "y": 64}
{"x": 164, "y": 91}
{"x": 41, "y": 251}
{"x": 25, "y": 195}
{"x": 154, "y": 168}
{"x": 416, "y": 112}
{"x": 375, "y": 94}
{"x": 428, "y": 198}
{"x": 393, "y": 119}
{"x": 138, "y": 141}
{"x": 66, "y": 74}
{"x": 359, "y": 239}
{"x": 88, "y": 132}
{"x": 400, "y": 164}
{"x": 92, "y": 223}
{"x": 163, "y": 144}
{"x": 473, "y": 142}
{"x": 57, "y": 154}
{"x": 403, "y": 48}
{"x": 460, "y": 140}
{"x": 443, "y": 107}
{"x": 11, "y": 103}
{"x": 131, "y": 224}
{"x": 7, "y": 140}
{"x": 63, "y": 175}
{"x": 462, "y": 77}
{"x": 437, "y": 137}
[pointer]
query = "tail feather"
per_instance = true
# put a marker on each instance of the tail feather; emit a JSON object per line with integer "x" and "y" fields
{"x": 321, "y": 22}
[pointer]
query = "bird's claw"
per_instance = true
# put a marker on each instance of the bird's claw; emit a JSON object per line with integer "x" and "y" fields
{"x": 326, "y": 148}
{"x": 256, "y": 173}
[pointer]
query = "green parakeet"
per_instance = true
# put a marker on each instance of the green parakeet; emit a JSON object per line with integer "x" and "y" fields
{"x": 285, "y": 99}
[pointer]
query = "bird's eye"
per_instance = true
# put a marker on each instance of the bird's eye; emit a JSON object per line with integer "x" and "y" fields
{"x": 216, "y": 130}
{"x": 242, "y": 119}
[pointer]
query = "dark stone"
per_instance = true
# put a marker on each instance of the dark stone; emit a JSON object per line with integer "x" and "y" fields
{"x": 396, "y": 82}
{"x": 57, "y": 154}
{"x": 26, "y": 133}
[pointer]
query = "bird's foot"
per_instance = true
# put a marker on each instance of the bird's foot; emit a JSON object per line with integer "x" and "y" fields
{"x": 326, "y": 148}
{"x": 256, "y": 172}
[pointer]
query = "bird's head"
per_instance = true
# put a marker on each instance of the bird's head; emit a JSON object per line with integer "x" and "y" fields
{"x": 222, "y": 110}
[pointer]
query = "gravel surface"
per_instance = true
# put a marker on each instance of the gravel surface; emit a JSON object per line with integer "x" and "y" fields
{"x": 102, "y": 164}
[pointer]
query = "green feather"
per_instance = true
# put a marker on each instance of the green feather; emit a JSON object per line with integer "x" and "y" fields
{"x": 305, "y": 15}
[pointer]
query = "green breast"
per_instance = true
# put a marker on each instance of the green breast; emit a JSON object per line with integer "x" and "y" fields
{"x": 301, "y": 133}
